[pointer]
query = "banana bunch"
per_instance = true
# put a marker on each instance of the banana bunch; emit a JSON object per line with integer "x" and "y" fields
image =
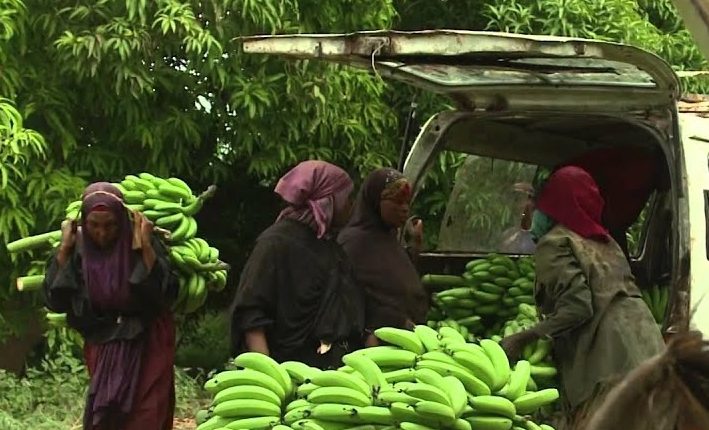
{"x": 420, "y": 379}
{"x": 538, "y": 353}
{"x": 251, "y": 397}
{"x": 657, "y": 299}
{"x": 484, "y": 297}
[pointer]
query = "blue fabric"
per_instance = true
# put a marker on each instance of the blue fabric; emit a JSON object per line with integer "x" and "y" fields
{"x": 541, "y": 225}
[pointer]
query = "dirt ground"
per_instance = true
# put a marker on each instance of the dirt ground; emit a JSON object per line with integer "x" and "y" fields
{"x": 184, "y": 424}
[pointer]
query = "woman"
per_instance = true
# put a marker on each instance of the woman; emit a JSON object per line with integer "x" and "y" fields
{"x": 585, "y": 291}
{"x": 296, "y": 299}
{"x": 113, "y": 280}
{"x": 395, "y": 296}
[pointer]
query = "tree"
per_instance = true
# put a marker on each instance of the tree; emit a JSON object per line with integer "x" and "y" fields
{"x": 118, "y": 87}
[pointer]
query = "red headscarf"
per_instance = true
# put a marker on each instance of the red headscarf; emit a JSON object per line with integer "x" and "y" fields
{"x": 571, "y": 198}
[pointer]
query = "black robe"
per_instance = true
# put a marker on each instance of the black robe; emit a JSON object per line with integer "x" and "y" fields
{"x": 300, "y": 289}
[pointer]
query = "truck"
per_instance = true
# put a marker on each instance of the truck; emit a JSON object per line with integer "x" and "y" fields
{"x": 523, "y": 104}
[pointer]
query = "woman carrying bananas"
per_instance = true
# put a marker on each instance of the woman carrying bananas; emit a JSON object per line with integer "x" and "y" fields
{"x": 591, "y": 308}
{"x": 296, "y": 298}
{"x": 395, "y": 296}
{"x": 112, "y": 278}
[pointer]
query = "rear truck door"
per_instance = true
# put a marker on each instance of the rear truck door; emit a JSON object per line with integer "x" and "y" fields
{"x": 495, "y": 71}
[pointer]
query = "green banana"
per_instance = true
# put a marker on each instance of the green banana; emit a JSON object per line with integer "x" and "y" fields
{"x": 490, "y": 423}
{"x": 499, "y": 360}
{"x": 530, "y": 402}
{"x": 428, "y": 392}
{"x": 519, "y": 379}
{"x": 435, "y": 411}
{"x": 385, "y": 357}
{"x": 376, "y": 415}
{"x": 402, "y": 338}
{"x": 246, "y": 408}
{"x": 246, "y": 392}
{"x": 340, "y": 395}
{"x": 255, "y": 423}
{"x": 299, "y": 372}
{"x": 494, "y": 405}
{"x": 479, "y": 364}
{"x": 215, "y": 423}
{"x": 471, "y": 382}
{"x": 333, "y": 378}
{"x": 367, "y": 368}
{"x": 230, "y": 378}
{"x": 266, "y": 365}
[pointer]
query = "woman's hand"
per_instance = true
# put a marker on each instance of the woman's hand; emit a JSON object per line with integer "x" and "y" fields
{"x": 514, "y": 344}
{"x": 371, "y": 341}
{"x": 68, "y": 234}
{"x": 146, "y": 235}
{"x": 68, "y": 241}
{"x": 146, "y": 230}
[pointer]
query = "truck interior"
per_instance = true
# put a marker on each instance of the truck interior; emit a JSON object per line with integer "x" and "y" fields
{"x": 502, "y": 158}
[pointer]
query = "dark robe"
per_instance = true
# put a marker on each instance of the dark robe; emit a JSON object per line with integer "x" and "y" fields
{"x": 146, "y": 322}
{"x": 395, "y": 296}
{"x": 300, "y": 289}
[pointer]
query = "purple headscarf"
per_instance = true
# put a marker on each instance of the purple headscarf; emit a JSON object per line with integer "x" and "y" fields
{"x": 106, "y": 271}
{"x": 106, "y": 275}
{"x": 315, "y": 191}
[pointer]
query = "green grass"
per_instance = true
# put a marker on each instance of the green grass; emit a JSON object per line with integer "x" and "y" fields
{"x": 53, "y": 400}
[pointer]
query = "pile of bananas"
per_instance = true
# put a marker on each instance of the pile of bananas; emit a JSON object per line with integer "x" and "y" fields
{"x": 657, "y": 299}
{"x": 171, "y": 206}
{"x": 481, "y": 300}
{"x": 422, "y": 379}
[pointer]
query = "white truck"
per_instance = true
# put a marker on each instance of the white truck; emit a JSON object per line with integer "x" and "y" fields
{"x": 528, "y": 103}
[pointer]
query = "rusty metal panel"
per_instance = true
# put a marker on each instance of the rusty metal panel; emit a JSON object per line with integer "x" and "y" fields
{"x": 457, "y": 58}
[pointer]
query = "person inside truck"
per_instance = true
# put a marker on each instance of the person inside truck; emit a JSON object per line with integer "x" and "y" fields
{"x": 590, "y": 306}
{"x": 394, "y": 294}
{"x": 296, "y": 299}
{"x": 112, "y": 278}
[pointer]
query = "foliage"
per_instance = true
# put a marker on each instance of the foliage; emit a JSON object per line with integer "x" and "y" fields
{"x": 204, "y": 341}
{"x": 46, "y": 399}
{"x": 165, "y": 83}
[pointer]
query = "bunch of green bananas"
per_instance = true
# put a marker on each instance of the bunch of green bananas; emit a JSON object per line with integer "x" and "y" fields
{"x": 421, "y": 379}
{"x": 485, "y": 296}
{"x": 538, "y": 353}
{"x": 170, "y": 204}
{"x": 657, "y": 299}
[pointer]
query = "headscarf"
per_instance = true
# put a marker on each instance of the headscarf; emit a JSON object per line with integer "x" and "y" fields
{"x": 571, "y": 198}
{"x": 541, "y": 225}
{"x": 106, "y": 275}
{"x": 381, "y": 264}
{"x": 315, "y": 191}
{"x": 106, "y": 271}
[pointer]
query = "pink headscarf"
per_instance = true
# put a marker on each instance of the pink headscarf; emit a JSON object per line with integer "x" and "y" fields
{"x": 314, "y": 190}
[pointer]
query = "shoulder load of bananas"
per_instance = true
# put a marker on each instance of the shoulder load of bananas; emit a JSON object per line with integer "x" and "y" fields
{"x": 420, "y": 379}
{"x": 171, "y": 206}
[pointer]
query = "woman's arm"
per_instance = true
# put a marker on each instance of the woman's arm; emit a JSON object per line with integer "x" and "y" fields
{"x": 61, "y": 282}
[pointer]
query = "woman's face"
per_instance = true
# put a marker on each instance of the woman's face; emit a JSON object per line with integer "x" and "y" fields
{"x": 394, "y": 213}
{"x": 102, "y": 228}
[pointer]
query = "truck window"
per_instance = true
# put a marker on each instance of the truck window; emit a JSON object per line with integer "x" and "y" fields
{"x": 478, "y": 206}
